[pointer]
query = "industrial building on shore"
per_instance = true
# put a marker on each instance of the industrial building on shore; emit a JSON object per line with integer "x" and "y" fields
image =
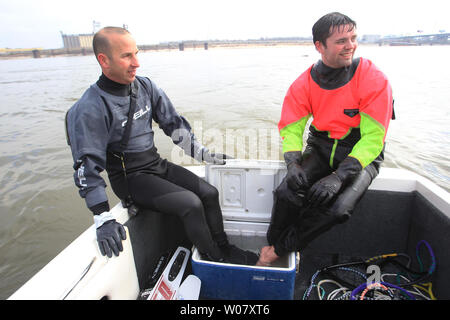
{"x": 77, "y": 41}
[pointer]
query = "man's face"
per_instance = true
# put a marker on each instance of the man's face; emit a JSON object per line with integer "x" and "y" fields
{"x": 340, "y": 47}
{"x": 122, "y": 63}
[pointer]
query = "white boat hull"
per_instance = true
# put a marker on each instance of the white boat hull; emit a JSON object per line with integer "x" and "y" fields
{"x": 81, "y": 272}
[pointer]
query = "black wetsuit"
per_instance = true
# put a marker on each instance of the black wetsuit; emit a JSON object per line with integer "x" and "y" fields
{"x": 95, "y": 126}
{"x": 165, "y": 187}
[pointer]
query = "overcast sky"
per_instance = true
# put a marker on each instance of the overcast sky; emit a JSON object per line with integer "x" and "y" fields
{"x": 38, "y": 23}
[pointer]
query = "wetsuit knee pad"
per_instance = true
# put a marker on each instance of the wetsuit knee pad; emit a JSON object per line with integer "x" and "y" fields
{"x": 189, "y": 204}
{"x": 209, "y": 192}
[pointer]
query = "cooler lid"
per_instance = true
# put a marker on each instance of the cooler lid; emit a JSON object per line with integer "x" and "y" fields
{"x": 246, "y": 187}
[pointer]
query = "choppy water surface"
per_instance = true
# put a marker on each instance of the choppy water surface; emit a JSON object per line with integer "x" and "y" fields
{"x": 232, "y": 97}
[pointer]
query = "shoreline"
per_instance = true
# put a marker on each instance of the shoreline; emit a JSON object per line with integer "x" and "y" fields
{"x": 172, "y": 46}
{"x": 36, "y": 53}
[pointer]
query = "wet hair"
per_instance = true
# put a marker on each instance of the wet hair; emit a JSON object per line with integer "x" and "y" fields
{"x": 325, "y": 26}
{"x": 101, "y": 43}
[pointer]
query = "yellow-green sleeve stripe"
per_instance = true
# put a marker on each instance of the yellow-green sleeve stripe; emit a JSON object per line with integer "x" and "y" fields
{"x": 371, "y": 142}
{"x": 292, "y": 135}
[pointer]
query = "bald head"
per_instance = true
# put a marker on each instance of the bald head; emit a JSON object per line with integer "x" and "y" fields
{"x": 101, "y": 42}
{"x": 116, "y": 52}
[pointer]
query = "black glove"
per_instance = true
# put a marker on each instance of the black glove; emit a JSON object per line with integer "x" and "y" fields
{"x": 348, "y": 169}
{"x": 214, "y": 158}
{"x": 326, "y": 188}
{"x": 296, "y": 176}
{"x": 109, "y": 237}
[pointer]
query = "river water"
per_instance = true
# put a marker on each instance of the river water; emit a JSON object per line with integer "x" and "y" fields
{"x": 232, "y": 98}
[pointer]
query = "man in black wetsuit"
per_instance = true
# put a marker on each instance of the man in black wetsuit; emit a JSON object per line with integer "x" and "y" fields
{"x": 350, "y": 101}
{"x": 110, "y": 127}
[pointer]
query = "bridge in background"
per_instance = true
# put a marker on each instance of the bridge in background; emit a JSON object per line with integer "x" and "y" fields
{"x": 420, "y": 39}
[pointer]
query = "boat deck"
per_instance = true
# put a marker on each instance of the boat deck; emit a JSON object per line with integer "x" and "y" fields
{"x": 384, "y": 223}
{"x": 401, "y": 214}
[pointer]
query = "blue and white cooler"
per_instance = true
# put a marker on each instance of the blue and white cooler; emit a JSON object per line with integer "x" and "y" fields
{"x": 246, "y": 200}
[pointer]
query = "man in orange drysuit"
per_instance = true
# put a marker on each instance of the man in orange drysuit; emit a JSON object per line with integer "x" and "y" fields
{"x": 350, "y": 101}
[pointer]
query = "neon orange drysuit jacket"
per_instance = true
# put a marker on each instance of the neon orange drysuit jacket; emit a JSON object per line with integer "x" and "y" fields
{"x": 361, "y": 107}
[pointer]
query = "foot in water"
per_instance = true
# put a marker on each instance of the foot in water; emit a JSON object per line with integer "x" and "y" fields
{"x": 267, "y": 256}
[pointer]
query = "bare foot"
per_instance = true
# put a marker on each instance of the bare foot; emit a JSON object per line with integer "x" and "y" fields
{"x": 267, "y": 256}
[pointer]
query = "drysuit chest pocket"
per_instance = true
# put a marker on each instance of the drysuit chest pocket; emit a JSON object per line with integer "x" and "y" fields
{"x": 351, "y": 112}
